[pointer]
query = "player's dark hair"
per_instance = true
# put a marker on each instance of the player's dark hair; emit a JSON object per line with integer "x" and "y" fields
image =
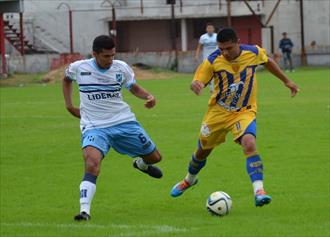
{"x": 103, "y": 42}
{"x": 227, "y": 34}
{"x": 209, "y": 24}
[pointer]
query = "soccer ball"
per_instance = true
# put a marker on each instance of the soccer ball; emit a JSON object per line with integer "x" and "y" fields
{"x": 219, "y": 203}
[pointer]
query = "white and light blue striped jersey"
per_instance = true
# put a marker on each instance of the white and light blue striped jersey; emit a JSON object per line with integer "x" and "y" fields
{"x": 209, "y": 44}
{"x": 101, "y": 101}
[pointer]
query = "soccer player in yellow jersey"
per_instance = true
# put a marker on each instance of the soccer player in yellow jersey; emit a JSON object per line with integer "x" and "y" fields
{"x": 232, "y": 107}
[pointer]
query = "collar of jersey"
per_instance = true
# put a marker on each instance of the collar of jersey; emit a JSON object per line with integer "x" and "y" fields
{"x": 209, "y": 35}
{"x": 98, "y": 68}
{"x": 235, "y": 60}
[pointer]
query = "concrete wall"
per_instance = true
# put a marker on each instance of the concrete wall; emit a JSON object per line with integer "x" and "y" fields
{"x": 33, "y": 63}
{"x": 185, "y": 60}
{"x": 158, "y": 9}
{"x": 318, "y": 55}
{"x": 155, "y": 59}
{"x": 41, "y": 62}
{"x": 287, "y": 19}
{"x": 52, "y": 27}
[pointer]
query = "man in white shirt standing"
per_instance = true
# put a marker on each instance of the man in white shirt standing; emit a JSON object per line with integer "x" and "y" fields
{"x": 106, "y": 121}
{"x": 207, "y": 43}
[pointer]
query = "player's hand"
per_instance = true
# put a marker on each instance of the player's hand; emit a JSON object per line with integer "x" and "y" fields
{"x": 197, "y": 87}
{"x": 293, "y": 87}
{"x": 74, "y": 111}
{"x": 151, "y": 102}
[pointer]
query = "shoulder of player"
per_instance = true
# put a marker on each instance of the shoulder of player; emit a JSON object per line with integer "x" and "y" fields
{"x": 212, "y": 57}
{"x": 120, "y": 64}
{"x": 255, "y": 49}
{"x": 79, "y": 63}
{"x": 204, "y": 36}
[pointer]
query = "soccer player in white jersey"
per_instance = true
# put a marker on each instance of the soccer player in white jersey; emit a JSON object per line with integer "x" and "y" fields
{"x": 208, "y": 43}
{"x": 106, "y": 121}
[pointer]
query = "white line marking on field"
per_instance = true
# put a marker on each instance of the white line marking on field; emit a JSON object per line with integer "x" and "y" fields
{"x": 30, "y": 102}
{"x": 33, "y": 117}
{"x": 140, "y": 229}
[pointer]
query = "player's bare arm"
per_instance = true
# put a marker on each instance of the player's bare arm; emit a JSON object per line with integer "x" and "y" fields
{"x": 141, "y": 93}
{"x": 197, "y": 87}
{"x": 272, "y": 67}
{"x": 67, "y": 92}
{"x": 198, "y": 50}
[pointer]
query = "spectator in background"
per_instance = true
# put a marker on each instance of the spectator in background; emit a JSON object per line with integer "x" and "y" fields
{"x": 313, "y": 44}
{"x": 207, "y": 43}
{"x": 286, "y": 46}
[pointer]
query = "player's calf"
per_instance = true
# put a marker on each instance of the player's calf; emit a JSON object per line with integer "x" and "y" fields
{"x": 254, "y": 168}
{"x": 195, "y": 165}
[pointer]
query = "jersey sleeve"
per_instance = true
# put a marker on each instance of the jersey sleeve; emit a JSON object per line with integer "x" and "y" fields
{"x": 201, "y": 40}
{"x": 129, "y": 77}
{"x": 262, "y": 57}
{"x": 204, "y": 72}
{"x": 71, "y": 71}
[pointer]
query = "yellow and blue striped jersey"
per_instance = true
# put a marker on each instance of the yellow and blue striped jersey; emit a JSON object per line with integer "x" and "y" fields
{"x": 235, "y": 81}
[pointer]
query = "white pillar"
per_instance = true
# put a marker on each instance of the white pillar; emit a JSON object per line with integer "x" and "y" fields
{"x": 184, "y": 35}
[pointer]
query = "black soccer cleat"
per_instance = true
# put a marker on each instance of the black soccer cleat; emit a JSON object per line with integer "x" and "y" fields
{"x": 83, "y": 216}
{"x": 152, "y": 171}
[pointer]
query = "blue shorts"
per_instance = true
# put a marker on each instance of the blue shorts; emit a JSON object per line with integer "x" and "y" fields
{"x": 251, "y": 129}
{"x": 127, "y": 138}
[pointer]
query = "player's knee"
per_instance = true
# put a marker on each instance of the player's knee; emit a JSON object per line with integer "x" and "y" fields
{"x": 92, "y": 166}
{"x": 249, "y": 144}
{"x": 157, "y": 157}
{"x": 249, "y": 150}
{"x": 153, "y": 158}
{"x": 202, "y": 154}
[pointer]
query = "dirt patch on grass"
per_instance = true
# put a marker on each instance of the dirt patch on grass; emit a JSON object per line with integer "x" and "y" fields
{"x": 21, "y": 79}
{"x": 140, "y": 74}
{"x": 57, "y": 75}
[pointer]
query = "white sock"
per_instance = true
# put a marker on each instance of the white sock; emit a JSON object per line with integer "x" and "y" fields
{"x": 141, "y": 164}
{"x": 258, "y": 185}
{"x": 190, "y": 178}
{"x": 87, "y": 190}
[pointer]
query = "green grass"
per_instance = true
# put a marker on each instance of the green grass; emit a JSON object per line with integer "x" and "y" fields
{"x": 41, "y": 166}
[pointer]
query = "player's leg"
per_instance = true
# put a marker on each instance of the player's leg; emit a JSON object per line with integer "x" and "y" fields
{"x": 290, "y": 62}
{"x": 95, "y": 146}
{"x": 131, "y": 139}
{"x": 93, "y": 158}
{"x": 212, "y": 133}
{"x": 197, "y": 162}
{"x": 254, "y": 166}
{"x": 285, "y": 59}
{"x": 145, "y": 164}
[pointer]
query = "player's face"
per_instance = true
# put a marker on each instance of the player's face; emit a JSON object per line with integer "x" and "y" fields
{"x": 105, "y": 57}
{"x": 230, "y": 50}
{"x": 210, "y": 29}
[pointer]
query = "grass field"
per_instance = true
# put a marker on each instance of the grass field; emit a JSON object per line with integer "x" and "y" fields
{"x": 41, "y": 166}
